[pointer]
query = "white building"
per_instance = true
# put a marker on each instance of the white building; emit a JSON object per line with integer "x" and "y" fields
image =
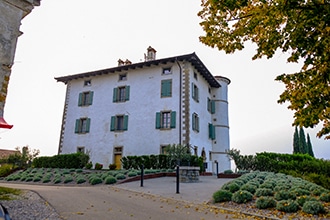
{"x": 140, "y": 108}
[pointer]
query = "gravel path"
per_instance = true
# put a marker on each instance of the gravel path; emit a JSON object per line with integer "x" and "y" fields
{"x": 30, "y": 206}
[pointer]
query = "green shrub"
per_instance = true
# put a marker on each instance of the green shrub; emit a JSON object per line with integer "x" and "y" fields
{"x": 57, "y": 180}
{"x": 300, "y": 192}
{"x": 80, "y": 180}
{"x": 132, "y": 174}
{"x": 287, "y": 206}
{"x": 5, "y": 170}
{"x": 222, "y": 196}
{"x": 284, "y": 195}
{"x": 36, "y": 179}
{"x": 302, "y": 199}
{"x": 112, "y": 166}
{"x": 325, "y": 197}
{"x": 265, "y": 202}
{"x": 249, "y": 187}
{"x": 29, "y": 179}
{"x": 95, "y": 180}
{"x": 120, "y": 176}
{"x": 228, "y": 172}
{"x": 46, "y": 180}
{"x": 242, "y": 196}
{"x": 110, "y": 180}
{"x": 98, "y": 166}
{"x": 264, "y": 192}
{"x": 68, "y": 179}
{"x": 313, "y": 207}
{"x": 79, "y": 170}
{"x": 231, "y": 186}
{"x": 270, "y": 184}
{"x": 89, "y": 165}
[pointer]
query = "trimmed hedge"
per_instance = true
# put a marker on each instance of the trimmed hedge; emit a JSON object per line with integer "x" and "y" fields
{"x": 75, "y": 160}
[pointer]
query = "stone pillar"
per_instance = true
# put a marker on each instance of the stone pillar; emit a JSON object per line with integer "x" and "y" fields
{"x": 11, "y": 14}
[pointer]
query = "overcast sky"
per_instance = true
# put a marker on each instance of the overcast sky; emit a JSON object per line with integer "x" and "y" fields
{"x": 66, "y": 37}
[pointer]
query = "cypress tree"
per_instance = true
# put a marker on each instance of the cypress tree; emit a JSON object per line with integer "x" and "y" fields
{"x": 309, "y": 146}
{"x": 302, "y": 141}
{"x": 296, "y": 141}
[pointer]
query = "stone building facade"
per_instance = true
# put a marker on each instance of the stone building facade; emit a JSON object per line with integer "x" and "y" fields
{"x": 11, "y": 14}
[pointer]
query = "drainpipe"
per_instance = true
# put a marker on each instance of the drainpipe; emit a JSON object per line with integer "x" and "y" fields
{"x": 180, "y": 103}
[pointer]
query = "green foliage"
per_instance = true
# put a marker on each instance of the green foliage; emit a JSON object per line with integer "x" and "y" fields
{"x": 23, "y": 158}
{"x": 132, "y": 174}
{"x": 112, "y": 166}
{"x": 249, "y": 187}
{"x": 95, "y": 180}
{"x": 120, "y": 176}
{"x": 75, "y": 160}
{"x": 313, "y": 207}
{"x": 287, "y": 206}
{"x": 89, "y": 165}
{"x": 110, "y": 180}
{"x": 5, "y": 170}
{"x": 80, "y": 179}
{"x": 222, "y": 196}
{"x": 325, "y": 197}
{"x": 302, "y": 199}
{"x": 228, "y": 172}
{"x": 67, "y": 179}
{"x": 242, "y": 196}
{"x": 231, "y": 186}
{"x": 284, "y": 195}
{"x": 265, "y": 202}
{"x": 98, "y": 166}
{"x": 298, "y": 27}
{"x": 263, "y": 192}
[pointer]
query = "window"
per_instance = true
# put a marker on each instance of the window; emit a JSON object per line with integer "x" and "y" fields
{"x": 119, "y": 123}
{"x": 122, "y": 77}
{"x": 167, "y": 71}
{"x": 210, "y": 106}
{"x": 211, "y": 131}
{"x": 82, "y": 125}
{"x": 165, "y": 120}
{"x": 195, "y": 75}
{"x": 166, "y": 88}
{"x": 163, "y": 149}
{"x": 194, "y": 92}
{"x": 87, "y": 83}
{"x": 195, "y": 122}
{"x": 121, "y": 94}
{"x": 80, "y": 149}
{"x": 85, "y": 98}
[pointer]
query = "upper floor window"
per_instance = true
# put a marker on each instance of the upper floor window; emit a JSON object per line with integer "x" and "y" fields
{"x": 195, "y": 122}
{"x": 82, "y": 125}
{"x": 165, "y": 119}
{"x": 167, "y": 71}
{"x": 210, "y": 106}
{"x": 123, "y": 77}
{"x": 119, "y": 123}
{"x": 166, "y": 88}
{"x": 121, "y": 94}
{"x": 87, "y": 82}
{"x": 85, "y": 98}
{"x": 194, "y": 92}
{"x": 195, "y": 75}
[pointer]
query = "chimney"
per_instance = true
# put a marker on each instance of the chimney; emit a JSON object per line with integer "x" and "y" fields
{"x": 151, "y": 54}
{"x": 128, "y": 62}
{"x": 121, "y": 62}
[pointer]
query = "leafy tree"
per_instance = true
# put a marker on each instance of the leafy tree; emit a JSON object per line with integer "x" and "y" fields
{"x": 296, "y": 142}
{"x": 302, "y": 141}
{"x": 309, "y": 146}
{"x": 299, "y": 27}
{"x": 23, "y": 159}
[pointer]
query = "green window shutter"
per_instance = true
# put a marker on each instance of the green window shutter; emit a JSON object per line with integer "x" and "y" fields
{"x": 212, "y": 106}
{"x": 76, "y": 129}
{"x": 192, "y": 91}
{"x": 115, "y": 92}
{"x": 157, "y": 120}
{"x": 173, "y": 119}
{"x": 166, "y": 88}
{"x": 127, "y": 93}
{"x": 80, "y": 99}
{"x": 125, "y": 122}
{"x": 197, "y": 123}
{"x": 90, "y": 101}
{"x": 209, "y": 104}
{"x": 211, "y": 131}
{"x": 193, "y": 121}
{"x": 88, "y": 123}
{"x": 197, "y": 94}
{"x": 169, "y": 88}
{"x": 113, "y": 123}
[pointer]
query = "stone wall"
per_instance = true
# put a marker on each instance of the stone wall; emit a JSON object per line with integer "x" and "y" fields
{"x": 189, "y": 174}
